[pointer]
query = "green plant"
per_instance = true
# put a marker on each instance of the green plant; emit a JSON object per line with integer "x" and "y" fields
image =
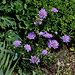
{"x": 17, "y": 19}
{"x": 6, "y": 61}
{"x": 6, "y": 21}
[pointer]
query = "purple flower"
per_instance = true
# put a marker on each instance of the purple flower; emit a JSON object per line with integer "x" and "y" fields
{"x": 38, "y": 20}
{"x": 65, "y": 38}
{"x": 55, "y": 44}
{"x": 52, "y": 43}
{"x": 49, "y": 43}
{"x": 41, "y": 33}
{"x": 31, "y": 35}
{"x": 42, "y": 13}
{"x": 23, "y": 55}
{"x": 17, "y": 43}
{"x": 27, "y": 47}
{"x": 54, "y": 10}
{"x": 34, "y": 59}
{"x": 45, "y": 52}
{"x": 56, "y": 32}
{"x": 47, "y": 35}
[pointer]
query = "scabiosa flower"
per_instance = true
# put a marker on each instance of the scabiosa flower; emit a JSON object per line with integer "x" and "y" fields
{"x": 55, "y": 44}
{"x": 45, "y": 52}
{"x": 23, "y": 55}
{"x": 38, "y": 20}
{"x": 31, "y": 35}
{"x": 56, "y": 32}
{"x": 27, "y": 47}
{"x": 54, "y": 10}
{"x": 47, "y": 35}
{"x": 41, "y": 33}
{"x": 49, "y": 43}
{"x": 42, "y": 13}
{"x": 17, "y": 43}
{"x": 65, "y": 38}
{"x": 34, "y": 59}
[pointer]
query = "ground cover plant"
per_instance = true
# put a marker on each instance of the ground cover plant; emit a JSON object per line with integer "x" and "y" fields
{"x": 40, "y": 36}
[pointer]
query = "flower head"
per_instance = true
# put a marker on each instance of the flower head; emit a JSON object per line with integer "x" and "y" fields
{"x": 65, "y": 38}
{"x": 41, "y": 33}
{"x": 34, "y": 59}
{"x": 31, "y": 35}
{"x": 38, "y": 20}
{"x": 27, "y": 47}
{"x": 17, "y": 43}
{"x": 56, "y": 32}
{"x": 54, "y": 10}
{"x": 55, "y": 44}
{"x": 23, "y": 55}
{"x": 49, "y": 43}
{"x": 47, "y": 35}
{"x": 42, "y": 13}
{"x": 45, "y": 52}
{"x": 52, "y": 43}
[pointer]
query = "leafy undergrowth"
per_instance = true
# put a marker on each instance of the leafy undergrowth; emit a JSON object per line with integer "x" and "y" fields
{"x": 41, "y": 32}
{"x": 63, "y": 64}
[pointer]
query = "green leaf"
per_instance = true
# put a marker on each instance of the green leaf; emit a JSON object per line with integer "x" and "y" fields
{"x": 11, "y": 70}
{"x": 2, "y": 61}
{"x": 10, "y": 52}
{"x": 6, "y": 22}
{"x": 34, "y": 73}
{"x": 7, "y": 71}
{"x": 1, "y": 72}
{"x": 7, "y": 61}
{"x": 26, "y": 58}
{"x": 10, "y": 35}
{"x": 16, "y": 56}
{"x": 25, "y": 6}
{"x": 4, "y": 1}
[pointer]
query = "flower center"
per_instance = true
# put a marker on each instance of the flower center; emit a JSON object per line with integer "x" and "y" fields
{"x": 55, "y": 44}
{"x": 16, "y": 43}
{"x": 35, "y": 59}
{"x": 27, "y": 48}
{"x": 44, "y": 52}
{"x": 31, "y": 35}
{"x": 42, "y": 13}
{"x": 38, "y": 20}
{"x": 65, "y": 38}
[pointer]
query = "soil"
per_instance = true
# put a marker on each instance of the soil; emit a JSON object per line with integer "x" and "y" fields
{"x": 66, "y": 63}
